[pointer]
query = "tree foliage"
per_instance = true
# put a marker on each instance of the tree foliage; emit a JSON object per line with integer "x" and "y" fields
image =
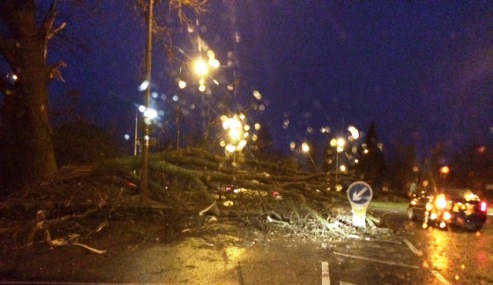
{"x": 79, "y": 143}
{"x": 472, "y": 167}
{"x": 371, "y": 167}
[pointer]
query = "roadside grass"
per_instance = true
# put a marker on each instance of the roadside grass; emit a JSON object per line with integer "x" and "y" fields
{"x": 402, "y": 206}
{"x": 388, "y": 206}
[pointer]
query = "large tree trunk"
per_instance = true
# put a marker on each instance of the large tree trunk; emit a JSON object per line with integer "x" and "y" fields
{"x": 30, "y": 157}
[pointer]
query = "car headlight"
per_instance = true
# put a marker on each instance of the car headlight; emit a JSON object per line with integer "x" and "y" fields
{"x": 447, "y": 216}
{"x": 433, "y": 216}
{"x": 441, "y": 202}
{"x": 428, "y": 207}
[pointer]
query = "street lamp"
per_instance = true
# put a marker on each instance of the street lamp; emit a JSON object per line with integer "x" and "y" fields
{"x": 202, "y": 68}
{"x": 181, "y": 85}
{"x": 338, "y": 143}
{"x": 444, "y": 171}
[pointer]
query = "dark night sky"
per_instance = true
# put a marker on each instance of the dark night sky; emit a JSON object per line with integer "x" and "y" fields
{"x": 421, "y": 70}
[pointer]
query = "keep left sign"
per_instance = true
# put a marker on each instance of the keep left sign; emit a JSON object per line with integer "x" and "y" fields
{"x": 359, "y": 194}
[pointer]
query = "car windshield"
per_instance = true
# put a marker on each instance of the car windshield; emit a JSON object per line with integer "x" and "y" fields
{"x": 246, "y": 141}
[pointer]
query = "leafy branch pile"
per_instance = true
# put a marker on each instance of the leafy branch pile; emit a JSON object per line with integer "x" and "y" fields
{"x": 271, "y": 197}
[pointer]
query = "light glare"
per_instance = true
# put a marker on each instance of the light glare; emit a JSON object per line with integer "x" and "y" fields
{"x": 200, "y": 67}
{"x": 144, "y": 85}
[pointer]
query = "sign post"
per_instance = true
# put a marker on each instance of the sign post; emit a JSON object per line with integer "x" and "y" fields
{"x": 359, "y": 194}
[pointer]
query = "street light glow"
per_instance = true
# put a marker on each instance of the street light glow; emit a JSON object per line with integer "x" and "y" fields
{"x": 214, "y": 63}
{"x": 144, "y": 85}
{"x": 182, "y": 84}
{"x": 200, "y": 67}
{"x": 445, "y": 170}
{"x": 237, "y": 132}
{"x": 354, "y": 132}
{"x": 338, "y": 143}
{"x": 305, "y": 147}
{"x": 150, "y": 113}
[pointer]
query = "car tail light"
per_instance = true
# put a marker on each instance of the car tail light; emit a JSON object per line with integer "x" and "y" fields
{"x": 483, "y": 206}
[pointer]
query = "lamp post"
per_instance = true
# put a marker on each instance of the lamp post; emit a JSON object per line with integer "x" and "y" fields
{"x": 202, "y": 68}
{"x": 181, "y": 85}
{"x": 144, "y": 171}
{"x": 338, "y": 143}
{"x": 135, "y": 131}
{"x": 444, "y": 171}
{"x": 305, "y": 148}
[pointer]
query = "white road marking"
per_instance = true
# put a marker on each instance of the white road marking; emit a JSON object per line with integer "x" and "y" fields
{"x": 325, "y": 273}
{"x": 376, "y": 260}
{"x": 412, "y": 248}
{"x": 358, "y": 195}
{"x": 440, "y": 277}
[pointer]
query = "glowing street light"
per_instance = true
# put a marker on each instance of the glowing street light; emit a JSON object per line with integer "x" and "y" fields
{"x": 237, "y": 133}
{"x": 339, "y": 144}
{"x": 149, "y": 114}
{"x": 305, "y": 147}
{"x": 182, "y": 84}
{"x": 200, "y": 67}
{"x": 445, "y": 170}
{"x": 354, "y": 132}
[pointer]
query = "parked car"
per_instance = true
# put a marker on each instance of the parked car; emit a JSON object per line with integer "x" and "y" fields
{"x": 448, "y": 207}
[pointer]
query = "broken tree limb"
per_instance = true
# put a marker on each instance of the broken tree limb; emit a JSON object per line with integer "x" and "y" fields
{"x": 90, "y": 249}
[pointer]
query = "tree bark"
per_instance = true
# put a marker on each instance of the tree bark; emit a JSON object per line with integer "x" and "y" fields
{"x": 29, "y": 155}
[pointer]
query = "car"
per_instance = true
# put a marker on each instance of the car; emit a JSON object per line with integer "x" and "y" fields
{"x": 448, "y": 207}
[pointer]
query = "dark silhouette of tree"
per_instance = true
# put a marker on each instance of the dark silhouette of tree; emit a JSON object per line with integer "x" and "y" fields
{"x": 472, "y": 166}
{"x": 28, "y": 154}
{"x": 81, "y": 143}
{"x": 432, "y": 164}
{"x": 404, "y": 169}
{"x": 261, "y": 148}
{"x": 371, "y": 166}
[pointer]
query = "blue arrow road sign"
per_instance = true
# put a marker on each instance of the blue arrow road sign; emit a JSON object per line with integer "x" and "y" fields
{"x": 359, "y": 193}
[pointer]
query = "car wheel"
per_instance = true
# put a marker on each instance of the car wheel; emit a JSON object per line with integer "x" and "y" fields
{"x": 410, "y": 214}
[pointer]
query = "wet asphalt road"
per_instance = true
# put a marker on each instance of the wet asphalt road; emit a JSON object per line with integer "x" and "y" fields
{"x": 411, "y": 256}
{"x": 414, "y": 256}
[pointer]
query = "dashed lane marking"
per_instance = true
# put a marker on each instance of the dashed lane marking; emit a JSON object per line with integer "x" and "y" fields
{"x": 325, "y": 273}
{"x": 412, "y": 247}
{"x": 440, "y": 277}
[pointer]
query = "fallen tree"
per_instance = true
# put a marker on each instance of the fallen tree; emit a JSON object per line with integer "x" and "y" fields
{"x": 260, "y": 193}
